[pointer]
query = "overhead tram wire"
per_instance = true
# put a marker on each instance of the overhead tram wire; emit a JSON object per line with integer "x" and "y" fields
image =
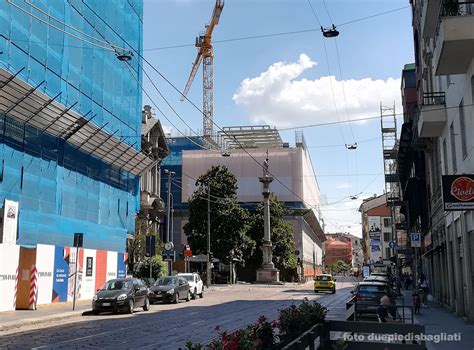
{"x": 57, "y": 28}
{"x": 193, "y": 104}
{"x": 329, "y": 15}
{"x": 156, "y": 106}
{"x": 276, "y": 34}
{"x": 73, "y": 28}
{"x": 223, "y": 40}
{"x": 112, "y": 48}
{"x": 330, "y": 82}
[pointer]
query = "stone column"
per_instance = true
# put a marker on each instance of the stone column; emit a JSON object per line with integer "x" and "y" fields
{"x": 267, "y": 273}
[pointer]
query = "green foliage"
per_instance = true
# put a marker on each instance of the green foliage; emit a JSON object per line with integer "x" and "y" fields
{"x": 257, "y": 336}
{"x": 340, "y": 266}
{"x": 137, "y": 246}
{"x": 142, "y": 268}
{"x": 265, "y": 334}
{"x": 451, "y": 8}
{"x": 281, "y": 235}
{"x": 229, "y": 221}
{"x": 295, "y": 320}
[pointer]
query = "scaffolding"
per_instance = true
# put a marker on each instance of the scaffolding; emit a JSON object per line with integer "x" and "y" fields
{"x": 390, "y": 144}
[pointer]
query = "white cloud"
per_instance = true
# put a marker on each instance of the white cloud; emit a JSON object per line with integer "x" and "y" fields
{"x": 277, "y": 97}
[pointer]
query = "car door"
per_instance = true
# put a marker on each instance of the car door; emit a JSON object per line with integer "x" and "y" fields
{"x": 138, "y": 292}
{"x": 181, "y": 288}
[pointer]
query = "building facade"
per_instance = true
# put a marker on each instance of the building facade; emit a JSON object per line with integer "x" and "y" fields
{"x": 376, "y": 229}
{"x": 298, "y": 189}
{"x": 70, "y": 114}
{"x": 441, "y": 131}
{"x": 337, "y": 250}
{"x": 357, "y": 260}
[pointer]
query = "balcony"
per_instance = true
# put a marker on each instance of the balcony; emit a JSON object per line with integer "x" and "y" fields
{"x": 429, "y": 17}
{"x": 455, "y": 42}
{"x": 433, "y": 115}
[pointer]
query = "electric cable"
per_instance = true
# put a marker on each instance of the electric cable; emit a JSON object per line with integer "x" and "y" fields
{"x": 57, "y": 28}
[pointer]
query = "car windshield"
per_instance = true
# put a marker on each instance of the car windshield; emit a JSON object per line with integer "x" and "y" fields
{"x": 189, "y": 278}
{"x": 117, "y": 285}
{"x": 323, "y": 278}
{"x": 167, "y": 281}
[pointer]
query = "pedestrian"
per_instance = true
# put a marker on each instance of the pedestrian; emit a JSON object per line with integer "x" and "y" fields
{"x": 416, "y": 302}
{"x": 408, "y": 282}
{"x": 424, "y": 286}
{"x": 386, "y": 311}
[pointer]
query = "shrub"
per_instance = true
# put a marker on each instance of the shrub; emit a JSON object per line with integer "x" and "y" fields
{"x": 295, "y": 320}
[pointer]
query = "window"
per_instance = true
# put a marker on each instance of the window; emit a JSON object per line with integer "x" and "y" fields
{"x": 386, "y": 236}
{"x": 387, "y": 222}
{"x": 453, "y": 147}
{"x": 445, "y": 156}
{"x": 462, "y": 123}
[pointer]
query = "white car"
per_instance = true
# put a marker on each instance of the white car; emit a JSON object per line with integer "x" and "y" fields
{"x": 195, "y": 282}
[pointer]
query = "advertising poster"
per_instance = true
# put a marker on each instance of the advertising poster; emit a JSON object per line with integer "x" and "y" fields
{"x": 9, "y": 259}
{"x": 121, "y": 266}
{"x": 88, "y": 274}
{"x": 45, "y": 266}
{"x": 458, "y": 192}
{"x": 112, "y": 260}
{"x": 10, "y": 222}
{"x": 60, "y": 271}
{"x": 100, "y": 268}
{"x": 72, "y": 270}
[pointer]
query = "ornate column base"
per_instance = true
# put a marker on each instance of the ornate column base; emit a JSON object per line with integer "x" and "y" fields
{"x": 268, "y": 275}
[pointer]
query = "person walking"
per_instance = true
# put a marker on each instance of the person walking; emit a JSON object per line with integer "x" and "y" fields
{"x": 424, "y": 286}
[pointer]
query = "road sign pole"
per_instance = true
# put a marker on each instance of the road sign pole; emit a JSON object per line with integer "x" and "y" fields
{"x": 75, "y": 281}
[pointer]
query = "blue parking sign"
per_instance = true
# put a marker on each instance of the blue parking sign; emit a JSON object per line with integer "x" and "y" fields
{"x": 416, "y": 239}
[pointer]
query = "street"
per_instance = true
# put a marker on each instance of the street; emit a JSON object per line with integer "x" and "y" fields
{"x": 169, "y": 326}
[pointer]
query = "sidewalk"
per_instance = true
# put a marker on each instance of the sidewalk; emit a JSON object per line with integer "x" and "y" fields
{"x": 438, "y": 320}
{"x": 45, "y": 313}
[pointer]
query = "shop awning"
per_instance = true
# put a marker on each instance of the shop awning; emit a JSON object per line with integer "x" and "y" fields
{"x": 27, "y": 104}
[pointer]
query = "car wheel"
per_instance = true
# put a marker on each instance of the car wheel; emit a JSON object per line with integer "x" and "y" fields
{"x": 131, "y": 306}
{"x": 176, "y": 298}
{"x": 202, "y": 293}
{"x": 194, "y": 293}
{"x": 334, "y": 291}
{"x": 188, "y": 296}
{"x": 146, "y": 305}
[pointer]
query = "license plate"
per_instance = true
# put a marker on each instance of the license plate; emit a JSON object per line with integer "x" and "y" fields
{"x": 105, "y": 304}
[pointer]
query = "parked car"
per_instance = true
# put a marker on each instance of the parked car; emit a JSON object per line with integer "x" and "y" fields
{"x": 367, "y": 295}
{"x": 123, "y": 294}
{"x": 195, "y": 283}
{"x": 324, "y": 282}
{"x": 170, "y": 289}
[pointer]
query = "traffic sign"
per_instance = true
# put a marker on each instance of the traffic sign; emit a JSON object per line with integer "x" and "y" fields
{"x": 392, "y": 244}
{"x": 416, "y": 239}
{"x": 188, "y": 253}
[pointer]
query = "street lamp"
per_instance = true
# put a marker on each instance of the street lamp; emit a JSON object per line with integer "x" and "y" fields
{"x": 168, "y": 215}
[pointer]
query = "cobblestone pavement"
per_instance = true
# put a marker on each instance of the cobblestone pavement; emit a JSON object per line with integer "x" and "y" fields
{"x": 170, "y": 326}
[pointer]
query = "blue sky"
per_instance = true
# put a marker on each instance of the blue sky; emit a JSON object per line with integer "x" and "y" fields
{"x": 283, "y": 80}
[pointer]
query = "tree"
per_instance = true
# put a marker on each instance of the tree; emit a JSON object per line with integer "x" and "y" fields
{"x": 281, "y": 236}
{"x": 340, "y": 266}
{"x": 142, "y": 268}
{"x": 229, "y": 221}
{"x": 136, "y": 247}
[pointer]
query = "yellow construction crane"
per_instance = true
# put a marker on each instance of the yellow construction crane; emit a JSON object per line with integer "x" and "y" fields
{"x": 206, "y": 54}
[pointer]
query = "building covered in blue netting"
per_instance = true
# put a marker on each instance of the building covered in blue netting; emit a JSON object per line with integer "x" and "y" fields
{"x": 70, "y": 119}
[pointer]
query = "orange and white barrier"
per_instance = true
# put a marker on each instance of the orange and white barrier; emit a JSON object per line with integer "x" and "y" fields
{"x": 33, "y": 288}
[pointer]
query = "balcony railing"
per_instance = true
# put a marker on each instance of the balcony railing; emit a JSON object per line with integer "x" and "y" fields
{"x": 451, "y": 8}
{"x": 434, "y": 98}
